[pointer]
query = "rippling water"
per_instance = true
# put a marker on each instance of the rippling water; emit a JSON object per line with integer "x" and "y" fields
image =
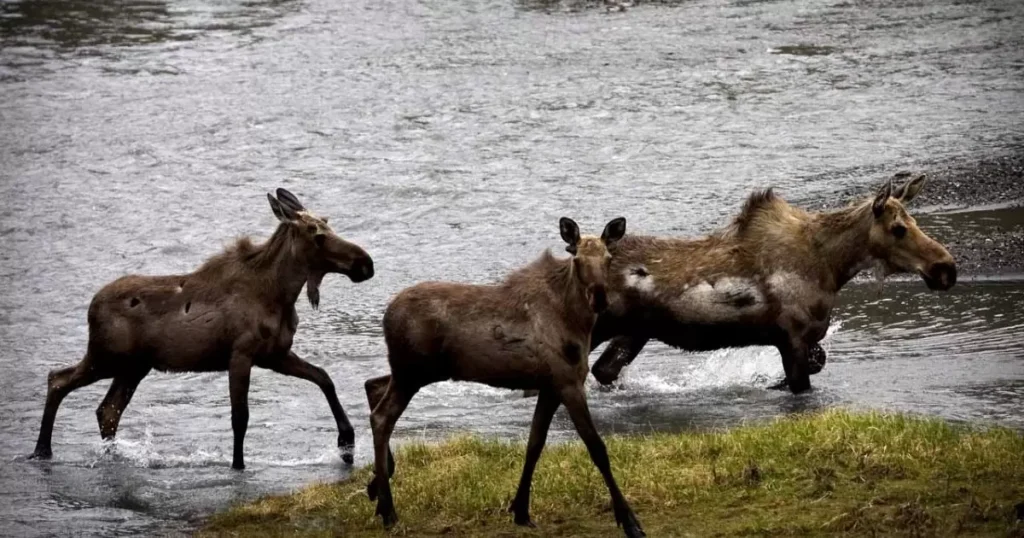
{"x": 140, "y": 136}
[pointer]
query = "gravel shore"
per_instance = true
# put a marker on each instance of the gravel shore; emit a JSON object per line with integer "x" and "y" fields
{"x": 992, "y": 188}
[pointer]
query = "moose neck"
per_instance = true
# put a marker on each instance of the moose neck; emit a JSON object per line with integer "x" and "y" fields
{"x": 566, "y": 286}
{"x": 841, "y": 244}
{"x": 279, "y": 263}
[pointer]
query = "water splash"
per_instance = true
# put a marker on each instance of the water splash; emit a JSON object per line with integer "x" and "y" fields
{"x": 758, "y": 366}
{"x": 144, "y": 453}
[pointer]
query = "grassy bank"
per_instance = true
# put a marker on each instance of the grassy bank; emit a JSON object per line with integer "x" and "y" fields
{"x": 825, "y": 474}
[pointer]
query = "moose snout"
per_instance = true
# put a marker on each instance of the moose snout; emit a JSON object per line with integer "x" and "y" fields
{"x": 941, "y": 275}
{"x": 362, "y": 269}
{"x": 598, "y": 298}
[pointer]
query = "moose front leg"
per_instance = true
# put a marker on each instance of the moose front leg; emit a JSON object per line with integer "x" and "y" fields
{"x": 293, "y": 365}
{"x": 794, "y": 361}
{"x": 239, "y": 370}
{"x": 816, "y": 359}
{"x": 620, "y": 352}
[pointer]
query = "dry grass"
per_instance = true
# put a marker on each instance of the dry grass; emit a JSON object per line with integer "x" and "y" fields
{"x": 835, "y": 473}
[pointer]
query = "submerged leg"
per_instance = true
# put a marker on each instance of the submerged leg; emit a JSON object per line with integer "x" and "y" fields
{"x": 59, "y": 384}
{"x": 816, "y": 359}
{"x": 547, "y": 404}
{"x": 620, "y": 352}
{"x": 108, "y": 414}
{"x": 375, "y": 389}
{"x": 294, "y": 366}
{"x": 383, "y": 420}
{"x": 794, "y": 361}
{"x": 575, "y": 401}
{"x": 239, "y": 370}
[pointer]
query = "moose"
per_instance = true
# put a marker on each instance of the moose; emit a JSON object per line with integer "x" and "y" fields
{"x": 532, "y": 331}
{"x": 235, "y": 312}
{"x": 770, "y": 278}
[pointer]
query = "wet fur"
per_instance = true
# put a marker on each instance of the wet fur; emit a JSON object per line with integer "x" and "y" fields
{"x": 531, "y": 331}
{"x": 235, "y": 311}
{"x": 769, "y": 278}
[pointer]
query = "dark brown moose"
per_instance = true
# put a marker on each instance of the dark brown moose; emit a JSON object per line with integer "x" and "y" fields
{"x": 531, "y": 331}
{"x": 771, "y": 278}
{"x": 234, "y": 312}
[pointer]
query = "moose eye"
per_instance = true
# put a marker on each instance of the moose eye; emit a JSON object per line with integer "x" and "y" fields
{"x": 899, "y": 231}
{"x": 319, "y": 239}
{"x": 311, "y": 228}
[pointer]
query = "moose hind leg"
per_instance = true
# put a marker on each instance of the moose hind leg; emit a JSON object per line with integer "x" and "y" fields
{"x": 59, "y": 384}
{"x": 108, "y": 414}
{"x": 621, "y": 351}
{"x": 383, "y": 420}
{"x": 575, "y": 401}
{"x": 547, "y": 404}
{"x": 294, "y": 366}
{"x": 239, "y": 371}
{"x": 375, "y": 389}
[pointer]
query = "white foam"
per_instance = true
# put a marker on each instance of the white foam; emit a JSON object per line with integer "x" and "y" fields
{"x": 143, "y": 453}
{"x": 747, "y": 366}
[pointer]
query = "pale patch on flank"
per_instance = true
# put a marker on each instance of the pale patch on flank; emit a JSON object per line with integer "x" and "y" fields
{"x": 639, "y": 279}
{"x": 722, "y": 299}
{"x": 787, "y": 285}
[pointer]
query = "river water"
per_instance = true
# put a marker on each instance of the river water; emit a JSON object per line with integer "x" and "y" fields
{"x": 447, "y": 138}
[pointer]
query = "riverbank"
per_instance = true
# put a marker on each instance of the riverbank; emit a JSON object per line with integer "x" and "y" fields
{"x": 834, "y": 473}
{"x": 987, "y": 195}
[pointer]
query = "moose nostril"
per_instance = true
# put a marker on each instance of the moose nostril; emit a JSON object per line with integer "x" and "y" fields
{"x": 945, "y": 273}
{"x": 367, "y": 268}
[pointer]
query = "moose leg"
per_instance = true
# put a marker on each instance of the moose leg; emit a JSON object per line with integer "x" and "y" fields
{"x": 575, "y": 401}
{"x": 294, "y": 366}
{"x": 108, "y": 414}
{"x": 375, "y": 389}
{"x": 794, "y": 361}
{"x": 620, "y": 352}
{"x": 383, "y": 420}
{"x": 547, "y": 404}
{"x": 239, "y": 370}
{"x": 816, "y": 358}
{"x": 59, "y": 384}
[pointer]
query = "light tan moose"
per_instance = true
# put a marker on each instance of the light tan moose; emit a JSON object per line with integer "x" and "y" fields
{"x": 770, "y": 278}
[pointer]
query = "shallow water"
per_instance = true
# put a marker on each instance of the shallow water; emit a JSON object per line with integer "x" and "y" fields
{"x": 447, "y": 139}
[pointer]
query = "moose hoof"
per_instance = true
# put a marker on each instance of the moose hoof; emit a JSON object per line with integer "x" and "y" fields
{"x": 238, "y": 466}
{"x": 347, "y": 444}
{"x": 521, "y": 515}
{"x": 631, "y": 526}
{"x": 797, "y": 386}
{"x": 816, "y": 359}
{"x": 605, "y": 377}
{"x": 41, "y": 454}
{"x": 388, "y": 517}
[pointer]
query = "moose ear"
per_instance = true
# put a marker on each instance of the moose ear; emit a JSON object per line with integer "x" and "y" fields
{"x": 613, "y": 231}
{"x": 909, "y": 190}
{"x": 289, "y": 200}
{"x": 570, "y": 233}
{"x": 282, "y": 212}
{"x": 878, "y": 206}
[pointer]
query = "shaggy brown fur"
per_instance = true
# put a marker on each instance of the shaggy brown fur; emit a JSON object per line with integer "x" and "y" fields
{"x": 237, "y": 310}
{"x": 770, "y": 278}
{"x": 531, "y": 331}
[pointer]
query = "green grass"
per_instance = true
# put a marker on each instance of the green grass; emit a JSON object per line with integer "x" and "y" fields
{"x": 835, "y": 473}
